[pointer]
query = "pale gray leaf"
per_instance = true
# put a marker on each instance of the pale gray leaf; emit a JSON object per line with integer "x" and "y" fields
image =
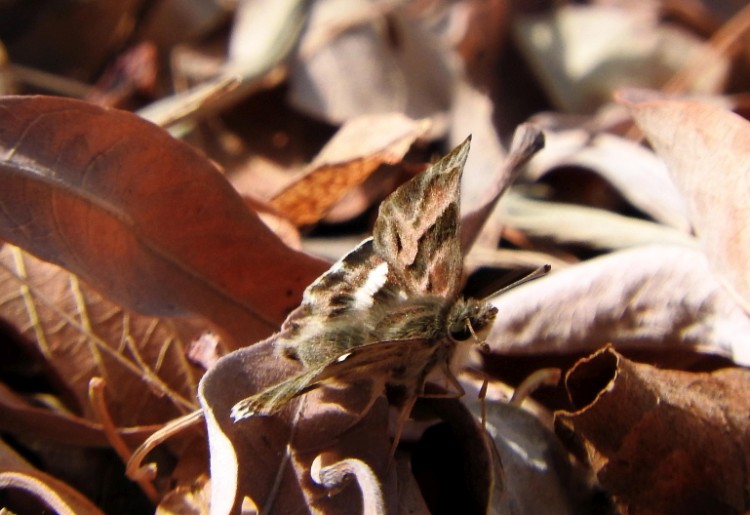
{"x": 654, "y": 297}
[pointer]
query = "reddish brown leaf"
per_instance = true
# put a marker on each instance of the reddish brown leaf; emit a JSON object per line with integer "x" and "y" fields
{"x": 360, "y": 147}
{"x": 142, "y": 216}
{"x": 82, "y": 335}
{"x": 664, "y": 441}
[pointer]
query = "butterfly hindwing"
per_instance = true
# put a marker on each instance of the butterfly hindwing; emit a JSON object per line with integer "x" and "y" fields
{"x": 378, "y": 359}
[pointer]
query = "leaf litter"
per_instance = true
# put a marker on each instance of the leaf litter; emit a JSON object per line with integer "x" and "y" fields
{"x": 639, "y": 207}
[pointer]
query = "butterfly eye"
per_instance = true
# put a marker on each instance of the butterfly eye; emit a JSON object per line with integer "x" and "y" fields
{"x": 463, "y": 334}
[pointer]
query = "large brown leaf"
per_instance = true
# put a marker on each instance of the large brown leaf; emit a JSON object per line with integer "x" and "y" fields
{"x": 141, "y": 216}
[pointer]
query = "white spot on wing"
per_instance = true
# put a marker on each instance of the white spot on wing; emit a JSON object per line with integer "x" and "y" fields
{"x": 375, "y": 280}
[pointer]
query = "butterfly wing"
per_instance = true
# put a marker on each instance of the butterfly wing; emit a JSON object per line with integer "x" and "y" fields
{"x": 400, "y": 360}
{"x": 337, "y": 310}
{"x": 417, "y": 230}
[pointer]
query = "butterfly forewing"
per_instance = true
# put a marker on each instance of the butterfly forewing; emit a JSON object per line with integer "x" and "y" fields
{"x": 417, "y": 229}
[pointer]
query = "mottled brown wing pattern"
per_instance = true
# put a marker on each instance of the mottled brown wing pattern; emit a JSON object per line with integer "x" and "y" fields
{"x": 380, "y": 309}
{"x": 334, "y": 309}
{"x": 417, "y": 230}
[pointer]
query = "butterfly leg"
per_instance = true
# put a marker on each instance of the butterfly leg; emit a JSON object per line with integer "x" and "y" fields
{"x": 403, "y": 416}
{"x": 455, "y": 391}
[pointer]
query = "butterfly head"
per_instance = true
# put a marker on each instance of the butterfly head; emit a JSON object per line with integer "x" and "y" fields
{"x": 470, "y": 318}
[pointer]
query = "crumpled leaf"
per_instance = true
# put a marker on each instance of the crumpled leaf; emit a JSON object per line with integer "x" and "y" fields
{"x": 663, "y": 441}
{"x": 358, "y": 149}
{"x": 143, "y": 217}
{"x": 707, "y": 151}
{"x": 654, "y": 297}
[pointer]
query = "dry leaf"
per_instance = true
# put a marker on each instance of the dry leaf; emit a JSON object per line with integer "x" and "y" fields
{"x": 357, "y": 149}
{"x": 360, "y": 57}
{"x": 707, "y": 151}
{"x": 653, "y": 297}
{"x": 143, "y": 217}
{"x": 635, "y": 172}
{"x": 664, "y": 441}
{"x": 269, "y": 458}
{"x": 82, "y": 335}
{"x": 631, "y": 49}
{"x": 597, "y": 229}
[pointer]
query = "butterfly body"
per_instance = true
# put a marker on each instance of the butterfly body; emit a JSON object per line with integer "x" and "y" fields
{"x": 390, "y": 308}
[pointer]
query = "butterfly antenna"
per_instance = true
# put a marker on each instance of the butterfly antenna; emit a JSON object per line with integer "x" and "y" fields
{"x": 535, "y": 274}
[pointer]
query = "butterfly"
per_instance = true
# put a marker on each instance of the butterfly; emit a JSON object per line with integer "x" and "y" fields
{"x": 390, "y": 309}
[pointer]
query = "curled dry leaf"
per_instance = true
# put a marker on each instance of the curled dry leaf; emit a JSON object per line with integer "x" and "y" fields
{"x": 664, "y": 441}
{"x": 654, "y": 297}
{"x": 16, "y": 473}
{"x": 269, "y": 458}
{"x": 472, "y": 113}
{"x": 357, "y": 150}
{"x": 82, "y": 335}
{"x": 141, "y": 216}
{"x": 707, "y": 151}
{"x": 527, "y": 141}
